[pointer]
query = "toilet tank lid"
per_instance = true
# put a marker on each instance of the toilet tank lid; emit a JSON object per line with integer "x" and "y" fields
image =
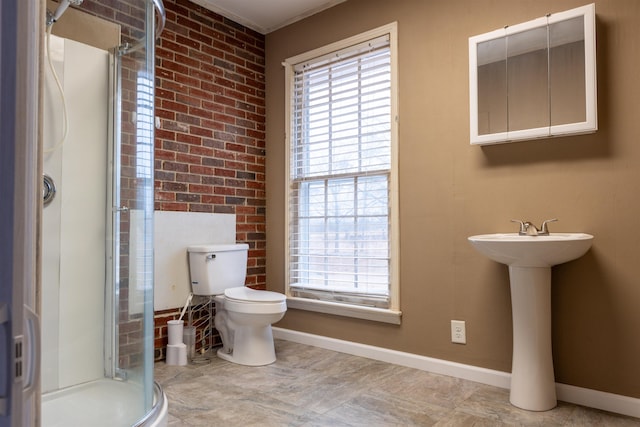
{"x": 219, "y": 247}
{"x": 243, "y": 293}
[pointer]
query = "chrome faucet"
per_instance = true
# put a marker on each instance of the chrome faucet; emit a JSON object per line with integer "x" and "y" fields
{"x": 528, "y": 229}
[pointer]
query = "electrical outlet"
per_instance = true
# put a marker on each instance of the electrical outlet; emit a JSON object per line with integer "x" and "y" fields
{"x": 458, "y": 332}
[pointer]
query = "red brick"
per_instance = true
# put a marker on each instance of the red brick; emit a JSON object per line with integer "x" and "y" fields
{"x": 234, "y": 165}
{"x": 174, "y": 47}
{"x": 198, "y": 93}
{"x": 202, "y": 189}
{"x": 200, "y": 112}
{"x": 187, "y": 177}
{"x": 165, "y": 196}
{"x": 224, "y": 118}
{"x": 212, "y": 88}
{"x": 188, "y": 158}
{"x": 201, "y": 170}
{"x": 188, "y": 100}
{"x": 185, "y": 41}
{"x": 164, "y": 134}
{"x": 234, "y": 94}
{"x": 181, "y": 20}
{"x": 200, "y": 55}
{"x": 175, "y": 67}
{"x": 246, "y": 193}
{"x": 200, "y": 36}
{"x": 212, "y": 125}
{"x": 246, "y": 158}
{"x": 235, "y": 112}
{"x": 213, "y": 200}
{"x": 174, "y": 86}
{"x": 200, "y": 207}
{"x": 164, "y": 155}
{"x": 189, "y": 139}
{"x": 196, "y": 130}
{"x": 224, "y": 100}
{"x": 187, "y": 80}
{"x": 171, "y": 105}
{"x": 185, "y": 60}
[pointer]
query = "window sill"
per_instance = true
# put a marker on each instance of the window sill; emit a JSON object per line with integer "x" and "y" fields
{"x": 347, "y": 310}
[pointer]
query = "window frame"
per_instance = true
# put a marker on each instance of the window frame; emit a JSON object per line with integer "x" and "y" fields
{"x": 393, "y": 313}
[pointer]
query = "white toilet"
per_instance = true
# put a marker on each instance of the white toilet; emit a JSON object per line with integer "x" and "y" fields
{"x": 243, "y": 315}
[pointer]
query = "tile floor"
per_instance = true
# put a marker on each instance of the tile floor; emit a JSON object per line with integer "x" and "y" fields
{"x": 310, "y": 386}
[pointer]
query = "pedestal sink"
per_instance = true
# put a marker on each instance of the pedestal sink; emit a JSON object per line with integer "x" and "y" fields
{"x": 530, "y": 259}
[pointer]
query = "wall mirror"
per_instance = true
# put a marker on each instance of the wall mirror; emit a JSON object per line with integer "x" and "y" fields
{"x": 534, "y": 80}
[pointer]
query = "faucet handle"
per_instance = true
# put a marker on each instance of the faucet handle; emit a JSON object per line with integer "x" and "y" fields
{"x": 523, "y": 227}
{"x": 544, "y": 229}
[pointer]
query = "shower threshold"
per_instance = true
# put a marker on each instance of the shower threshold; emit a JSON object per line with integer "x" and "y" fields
{"x": 100, "y": 403}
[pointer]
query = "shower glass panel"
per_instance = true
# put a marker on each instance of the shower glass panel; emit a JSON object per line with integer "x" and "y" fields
{"x": 97, "y": 267}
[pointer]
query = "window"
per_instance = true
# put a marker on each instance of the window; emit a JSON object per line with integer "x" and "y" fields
{"x": 342, "y": 198}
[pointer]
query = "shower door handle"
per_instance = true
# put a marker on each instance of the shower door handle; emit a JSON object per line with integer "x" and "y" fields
{"x": 5, "y": 375}
{"x": 121, "y": 208}
{"x": 31, "y": 355}
{"x": 23, "y": 355}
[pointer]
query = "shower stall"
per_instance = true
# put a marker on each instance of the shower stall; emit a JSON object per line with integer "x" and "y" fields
{"x": 94, "y": 296}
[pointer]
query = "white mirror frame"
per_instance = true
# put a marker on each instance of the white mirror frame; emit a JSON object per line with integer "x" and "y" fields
{"x": 590, "y": 125}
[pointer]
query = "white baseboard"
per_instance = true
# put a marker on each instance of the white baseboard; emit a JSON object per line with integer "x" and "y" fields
{"x": 580, "y": 396}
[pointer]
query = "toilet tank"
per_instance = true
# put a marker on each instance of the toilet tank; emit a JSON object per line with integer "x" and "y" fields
{"x": 214, "y": 268}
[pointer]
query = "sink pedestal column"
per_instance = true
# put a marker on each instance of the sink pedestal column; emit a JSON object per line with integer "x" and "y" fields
{"x": 532, "y": 380}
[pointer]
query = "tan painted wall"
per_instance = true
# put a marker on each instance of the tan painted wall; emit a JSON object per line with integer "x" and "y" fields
{"x": 450, "y": 190}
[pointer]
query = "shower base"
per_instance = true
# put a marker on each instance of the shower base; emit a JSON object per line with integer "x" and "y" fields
{"x": 101, "y": 403}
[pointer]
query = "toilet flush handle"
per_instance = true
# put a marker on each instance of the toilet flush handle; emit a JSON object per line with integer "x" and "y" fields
{"x": 211, "y": 256}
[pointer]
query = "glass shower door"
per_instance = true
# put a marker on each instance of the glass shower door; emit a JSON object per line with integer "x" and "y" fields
{"x": 132, "y": 212}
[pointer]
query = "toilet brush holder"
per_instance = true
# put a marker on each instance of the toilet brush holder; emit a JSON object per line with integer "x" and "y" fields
{"x": 174, "y": 331}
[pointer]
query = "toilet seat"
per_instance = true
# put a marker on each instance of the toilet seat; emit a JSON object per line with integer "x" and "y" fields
{"x": 251, "y": 301}
{"x": 250, "y": 296}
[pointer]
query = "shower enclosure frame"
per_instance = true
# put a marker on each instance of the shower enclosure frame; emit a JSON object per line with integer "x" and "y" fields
{"x": 19, "y": 210}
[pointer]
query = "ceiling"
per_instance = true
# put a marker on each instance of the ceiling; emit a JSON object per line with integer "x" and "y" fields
{"x": 266, "y": 16}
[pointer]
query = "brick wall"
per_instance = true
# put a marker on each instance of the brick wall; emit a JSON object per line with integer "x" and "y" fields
{"x": 210, "y": 147}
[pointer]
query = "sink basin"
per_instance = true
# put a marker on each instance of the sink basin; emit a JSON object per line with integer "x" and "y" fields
{"x": 532, "y": 251}
{"x": 530, "y": 259}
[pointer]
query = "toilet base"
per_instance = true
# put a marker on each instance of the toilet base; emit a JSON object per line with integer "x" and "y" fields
{"x": 252, "y": 346}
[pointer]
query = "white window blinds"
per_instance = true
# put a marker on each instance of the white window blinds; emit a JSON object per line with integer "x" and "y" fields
{"x": 339, "y": 232}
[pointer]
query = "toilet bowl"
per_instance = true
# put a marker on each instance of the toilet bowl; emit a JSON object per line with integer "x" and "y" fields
{"x": 243, "y": 315}
{"x": 243, "y": 319}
